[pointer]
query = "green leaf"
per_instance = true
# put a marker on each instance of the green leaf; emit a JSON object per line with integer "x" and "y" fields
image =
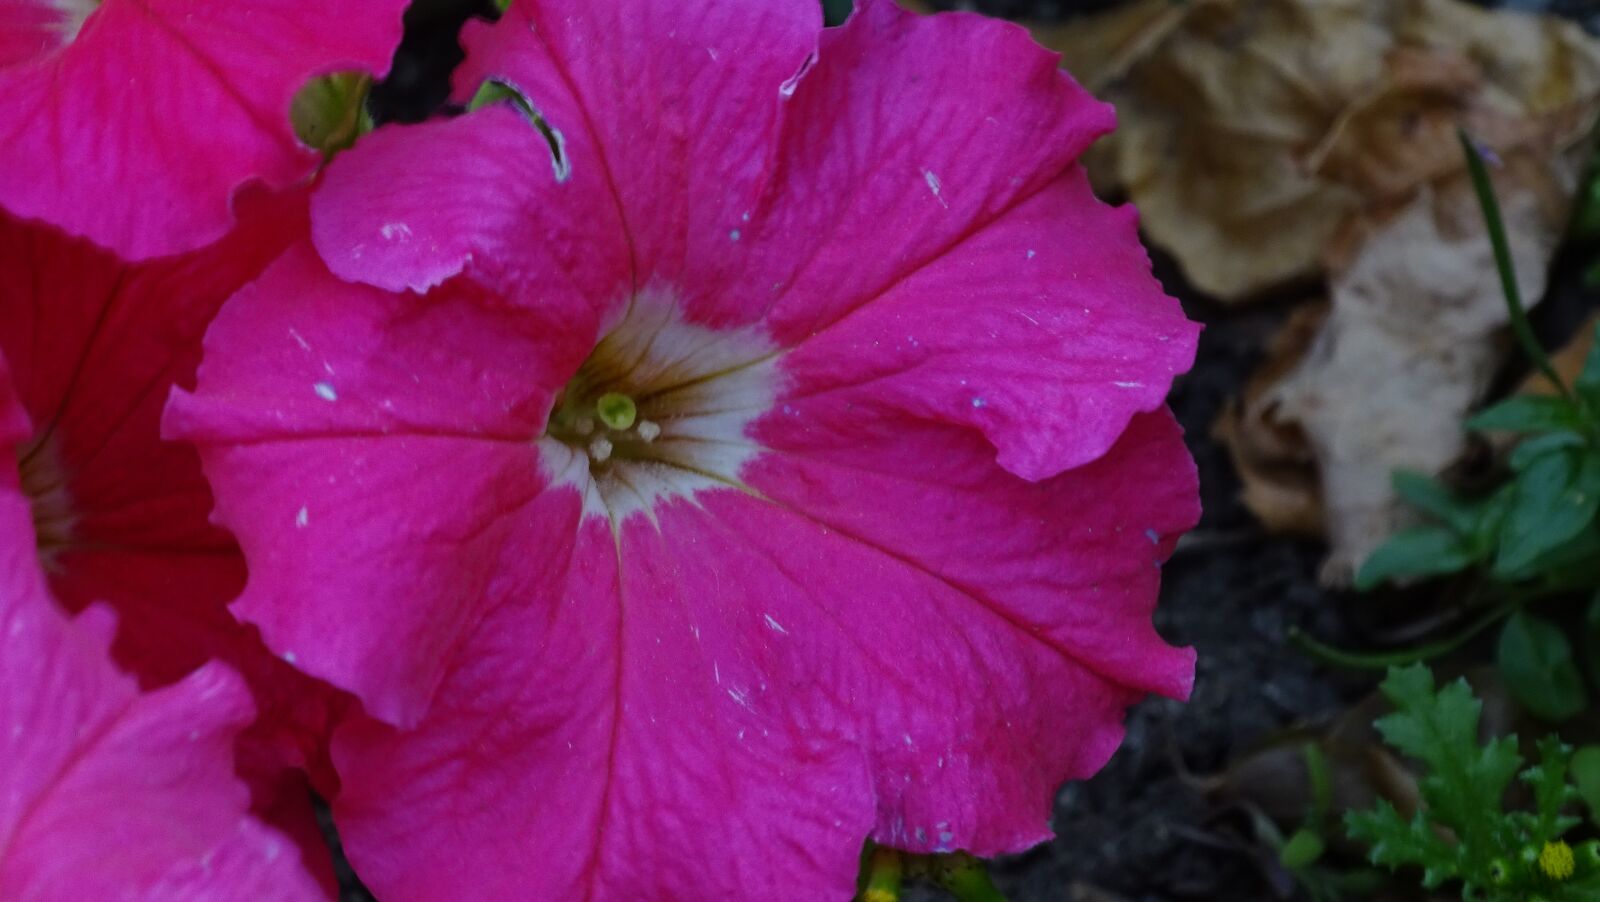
{"x": 1465, "y": 781}
{"x": 1431, "y": 498}
{"x": 1527, "y": 413}
{"x": 1416, "y": 552}
{"x": 1551, "y": 791}
{"x": 1302, "y": 850}
{"x": 1530, "y": 450}
{"x": 1586, "y": 774}
{"x": 1536, "y": 662}
{"x": 1574, "y": 564}
{"x": 1396, "y": 842}
{"x": 1555, "y": 497}
{"x": 1491, "y": 517}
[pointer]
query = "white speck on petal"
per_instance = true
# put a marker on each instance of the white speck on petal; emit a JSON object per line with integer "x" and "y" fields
{"x": 393, "y": 230}
{"x": 733, "y": 235}
{"x": 325, "y": 391}
{"x": 302, "y": 518}
{"x": 300, "y": 340}
{"x": 716, "y": 673}
{"x": 1031, "y": 253}
{"x": 978, "y": 402}
{"x": 290, "y": 657}
{"x": 934, "y": 186}
{"x": 774, "y": 625}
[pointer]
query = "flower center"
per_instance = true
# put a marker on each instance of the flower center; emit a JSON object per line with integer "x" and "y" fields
{"x": 659, "y": 410}
{"x": 44, "y": 484}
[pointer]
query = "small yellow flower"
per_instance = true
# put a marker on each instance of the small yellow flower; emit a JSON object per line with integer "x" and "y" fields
{"x": 1555, "y": 859}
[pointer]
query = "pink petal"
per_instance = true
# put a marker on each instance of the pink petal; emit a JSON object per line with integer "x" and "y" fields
{"x": 137, "y": 133}
{"x": 583, "y": 721}
{"x": 1061, "y": 342}
{"x": 340, "y": 378}
{"x": 683, "y": 692}
{"x": 106, "y": 792}
{"x": 31, "y": 28}
{"x": 95, "y": 345}
{"x": 485, "y": 196}
{"x": 666, "y": 115}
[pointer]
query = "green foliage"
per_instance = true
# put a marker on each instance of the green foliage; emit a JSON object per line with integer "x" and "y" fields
{"x": 1537, "y": 663}
{"x": 1586, "y": 776}
{"x": 1462, "y": 832}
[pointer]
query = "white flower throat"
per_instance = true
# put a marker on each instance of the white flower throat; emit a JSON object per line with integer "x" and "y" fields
{"x": 660, "y": 410}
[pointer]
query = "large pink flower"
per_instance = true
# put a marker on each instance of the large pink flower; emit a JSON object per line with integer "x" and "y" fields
{"x": 94, "y": 346}
{"x": 107, "y": 793}
{"x": 776, "y": 457}
{"x": 132, "y": 122}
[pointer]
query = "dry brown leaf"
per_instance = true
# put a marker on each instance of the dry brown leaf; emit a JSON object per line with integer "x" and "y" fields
{"x": 1415, "y": 333}
{"x": 1274, "y": 460}
{"x": 1251, "y": 130}
{"x": 1265, "y": 140}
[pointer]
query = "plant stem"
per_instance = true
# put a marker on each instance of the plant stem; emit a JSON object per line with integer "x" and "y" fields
{"x": 1353, "y": 660}
{"x": 1502, "y": 260}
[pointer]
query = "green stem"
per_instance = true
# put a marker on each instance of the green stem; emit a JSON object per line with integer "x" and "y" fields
{"x": 885, "y": 874}
{"x": 1502, "y": 260}
{"x": 1353, "y": 660}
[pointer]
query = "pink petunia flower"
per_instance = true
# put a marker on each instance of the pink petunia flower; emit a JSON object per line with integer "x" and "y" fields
{"x": 94, "y": 346}
{"x": 107, "y": 792}
{"x": 775, "y": 455}
{"x": 133, "y": 122}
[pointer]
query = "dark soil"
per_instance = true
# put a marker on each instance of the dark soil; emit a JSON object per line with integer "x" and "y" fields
{"x": 1139, "y": 830}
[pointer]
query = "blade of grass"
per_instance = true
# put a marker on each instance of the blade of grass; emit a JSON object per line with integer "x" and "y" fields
{"x": 1479, "y": 172}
